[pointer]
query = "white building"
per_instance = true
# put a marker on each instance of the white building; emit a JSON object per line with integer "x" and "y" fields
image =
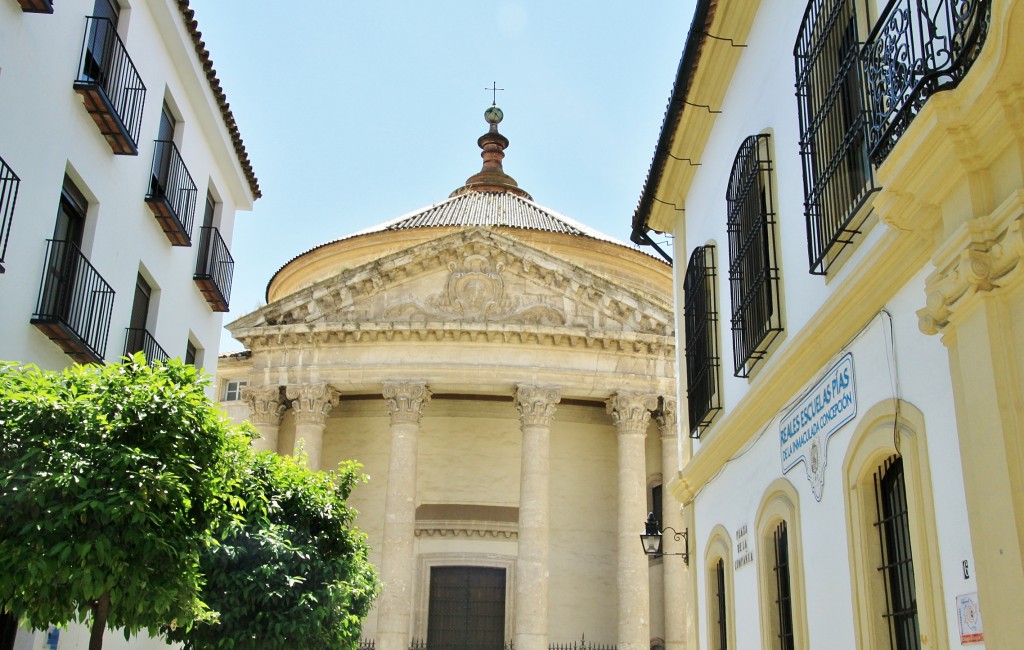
{"x": 122, "y": 170}
{"x": 848, "y": 277}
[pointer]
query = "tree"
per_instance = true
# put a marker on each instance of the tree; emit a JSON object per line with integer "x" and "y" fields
{"x": 111, "y": 479}
{"x": 290, "y": 571}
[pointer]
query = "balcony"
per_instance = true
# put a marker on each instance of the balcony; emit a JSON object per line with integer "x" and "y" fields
{"x": 36, "y": 6}
{"x": 137, "y": 339}
{"x": 172, "y": 194}
{"x": 110, "y": 86}
{"x": 918, "y": 48}
{"x": 9, "y": 183}
{"x": 214, "y": 269}
{"x": 75, "y": 303}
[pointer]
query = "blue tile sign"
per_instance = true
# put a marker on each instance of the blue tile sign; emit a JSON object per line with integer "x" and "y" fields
{"x": 806, "y": 428}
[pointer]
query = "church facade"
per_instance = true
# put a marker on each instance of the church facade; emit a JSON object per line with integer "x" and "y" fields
{"x": 506, "y": 377}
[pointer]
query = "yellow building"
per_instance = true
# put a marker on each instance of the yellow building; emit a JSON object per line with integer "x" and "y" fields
{"x": 506, "y": 376}
{"x": 854, "y": 476}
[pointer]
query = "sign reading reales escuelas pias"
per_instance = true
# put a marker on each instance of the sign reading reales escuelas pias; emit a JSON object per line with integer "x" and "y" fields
{"x": 806, "y": 428}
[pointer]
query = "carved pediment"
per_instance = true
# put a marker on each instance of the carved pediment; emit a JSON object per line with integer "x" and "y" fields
{"x": 473, "y": 276}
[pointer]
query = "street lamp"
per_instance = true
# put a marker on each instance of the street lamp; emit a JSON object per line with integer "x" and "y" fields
{"x": 652, "y": 536}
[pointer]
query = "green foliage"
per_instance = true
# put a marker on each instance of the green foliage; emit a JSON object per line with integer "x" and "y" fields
{"x": 289, "y": 571}
{"x": 112, "y": 478}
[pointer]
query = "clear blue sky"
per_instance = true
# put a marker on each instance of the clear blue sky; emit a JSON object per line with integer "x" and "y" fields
{"x": 354, "y": 113}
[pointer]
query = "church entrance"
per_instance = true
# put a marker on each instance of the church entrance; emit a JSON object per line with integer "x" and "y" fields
{"x": 467, "y": 608}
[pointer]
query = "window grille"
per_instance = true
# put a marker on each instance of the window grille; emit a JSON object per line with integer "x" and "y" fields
{"x": 783, "y": 591}
{"x": 753, "y": 273}
{"x": 897, "y": 566}
{"x": 700, "y": 312}
{"x": 833, "y": 128}
{"x": 9, "y": 183}
{"x": 723, "y": 628}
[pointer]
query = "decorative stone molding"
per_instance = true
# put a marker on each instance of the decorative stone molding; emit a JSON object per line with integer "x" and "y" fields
{"x": 536, "y": 404}
{"x": 405, "y": 401}
{"x": 984, "y": 256}
{"x": 265, "y": 404}
{"x": 311, "y": 402}
{"x": 667, "y": 417}
{"x": 467, "y": 529}
{"x": 631, "y": 412}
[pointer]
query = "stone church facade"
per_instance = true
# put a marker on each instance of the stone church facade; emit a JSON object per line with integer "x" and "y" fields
{"x": 506, "y": 377}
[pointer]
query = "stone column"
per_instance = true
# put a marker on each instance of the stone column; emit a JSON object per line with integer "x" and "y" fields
{"x": 265, "y": 409}
{"x": 310, "y": 405}
{"x": 676, "y": 596}
{"x": 536, "y": 406}
{"x": 631, "y": 413}
{"x": 405, "y": 402}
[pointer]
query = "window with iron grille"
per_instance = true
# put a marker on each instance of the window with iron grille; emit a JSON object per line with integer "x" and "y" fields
{"x": 700, "y": 312}
{"x": 9, "y": 182}
{"x": 783, "y": 592}
{"x": 721, "y": 642}
{"x": 753, "y": 272}
{"x": 833, "y": 128}
{"x": 897, "y": 566}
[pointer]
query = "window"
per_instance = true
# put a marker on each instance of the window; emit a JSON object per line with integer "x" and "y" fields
{"x": 138, "y": 338}
{"x": 897, "y": 566}
{"x": 833, "y": 129}
{"x": 700, "y": 313}
{"x": 780, "y": 574}
{"x": 894, "y": 569}
{"x": 233, "y": 389}
{"x": 721, "y": 622}
{"x": 753, "y": 273}
{"x": 9, "y": 182}
{"x": 718, "y": 561}
{"x": 190, "y": 352}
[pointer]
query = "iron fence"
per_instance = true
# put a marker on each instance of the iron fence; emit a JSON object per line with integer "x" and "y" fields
{"x": 9, "y": 183}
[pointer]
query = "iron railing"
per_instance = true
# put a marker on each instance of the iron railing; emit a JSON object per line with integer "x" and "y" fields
{"x": 214, "y": 268}
{"x": 105, "y": 66}
{"x": 9, "y": 183}
{"x": 700, "y": 312}
{"x": 582, "y": 644}
{"x": 172, "y": 193}
{"x": 917, "y": 48}
{"x": 366, "y": 644}
{"x": 138, "y": 339}
{"x": 753, "y": 273}
{"x": 837, "y": 172}
{"x": 75, "y": 303}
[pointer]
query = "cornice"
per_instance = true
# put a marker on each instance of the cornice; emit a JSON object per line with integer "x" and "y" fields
{"x": 509, "y": 531}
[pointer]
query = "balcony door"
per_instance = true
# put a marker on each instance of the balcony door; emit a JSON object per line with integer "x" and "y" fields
{"x": 64, "y": 258}
{"x": 162, "y": 164}
{"x": 99, "y": 50}
{"x": 140, "y": 314}
{"x": 467, "y": 608}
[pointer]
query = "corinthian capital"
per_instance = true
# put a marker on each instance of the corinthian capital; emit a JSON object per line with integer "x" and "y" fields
{"x": 631, "y": 412}
{"x": 265, "y": 404}
{"x": 405, "y": 400}
{"x": 667, "y": 417}
{"x": 311, "y": 402}
{"x": 536, "y": 404}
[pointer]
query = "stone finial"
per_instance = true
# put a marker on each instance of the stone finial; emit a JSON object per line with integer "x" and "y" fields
{"x": 631, "y": 412}
{"x": 536, "y": 404}
{"x": 312, "y": 402}
{"x": 265, "y": 404}
{"x": 405, "y": 400}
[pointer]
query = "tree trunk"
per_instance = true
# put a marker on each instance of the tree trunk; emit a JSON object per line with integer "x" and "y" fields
{"x": 8, "y": 630}
{"x": 100, "y": 609}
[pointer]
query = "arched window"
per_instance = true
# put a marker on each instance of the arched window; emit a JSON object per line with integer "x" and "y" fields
{"x": 718, "y": 563}
{"x": 780, "y": 569}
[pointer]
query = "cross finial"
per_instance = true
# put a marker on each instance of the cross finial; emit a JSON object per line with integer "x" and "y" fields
{"x": 494, "y": 93}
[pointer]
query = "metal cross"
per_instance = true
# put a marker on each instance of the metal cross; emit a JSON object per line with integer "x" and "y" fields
{"x": 494, "y": 93}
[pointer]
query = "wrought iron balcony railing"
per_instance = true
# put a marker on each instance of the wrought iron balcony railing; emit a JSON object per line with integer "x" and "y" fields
{"x": 110, "y": 85}
{"x": 75, "y": 303}
{"x": 9, "y": 183}
{"x": 36, "y": 6}
{"x": 214, "y": 268}
{"x": 172, "y": 194}
{"x": 917, "y": 48}
{"x": 137, "y": 339}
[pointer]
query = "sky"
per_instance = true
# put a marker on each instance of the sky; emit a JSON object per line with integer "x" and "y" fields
{"x": 354, "y": 113}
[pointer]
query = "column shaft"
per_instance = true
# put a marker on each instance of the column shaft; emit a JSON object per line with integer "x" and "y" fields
{"x": 405, "y": 403}
{"x": 631, "y": 413}
{"x": 676, "y": 595}
{"x": 536, "y": 406}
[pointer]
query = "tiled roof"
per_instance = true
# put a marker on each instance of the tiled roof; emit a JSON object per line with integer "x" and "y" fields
{"x": 490, "y": 209}
{"x": 188, "y": 15}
